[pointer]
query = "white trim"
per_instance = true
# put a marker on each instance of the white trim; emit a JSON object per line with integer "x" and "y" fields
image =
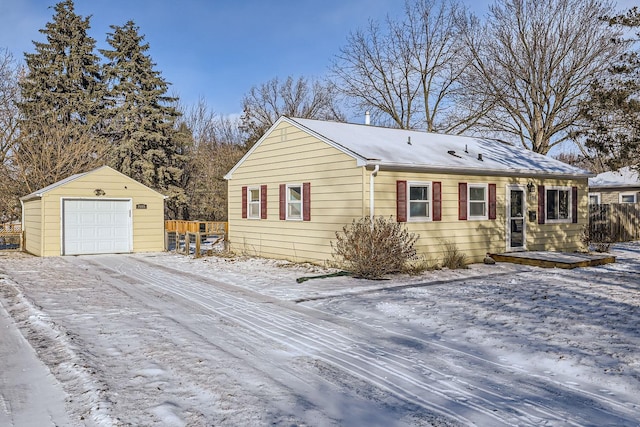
{"x": 429, "y": 216}
{"x": 523, "y": 188}
{"x": 249, "y": 202}
{"x": 486, "y": 202}
{"x": 568, "y": 219}
{"x": 114, "y": 199}
{"x": 633, "y": 194}
{"x": 286, "y": 200}
{"x": 598, "y": 196}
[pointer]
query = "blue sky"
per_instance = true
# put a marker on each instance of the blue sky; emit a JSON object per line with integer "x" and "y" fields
{"x": 216, "y": 49}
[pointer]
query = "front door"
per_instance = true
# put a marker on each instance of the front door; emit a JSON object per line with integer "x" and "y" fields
{"x": 516, "y": 224}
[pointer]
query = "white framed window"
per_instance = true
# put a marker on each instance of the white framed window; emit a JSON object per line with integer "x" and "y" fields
{"x": 628, "y": 197}
{"x": 294, "y": 201}
{"x": 477, "y": 200}
{"x": 594, "y": 198}
{"x": 420, "y": 199}
{"x": 558, "y": 204}
{"x": 253, "y": 202}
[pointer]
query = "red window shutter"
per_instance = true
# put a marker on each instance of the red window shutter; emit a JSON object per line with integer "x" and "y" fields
{"x": 574, "y": 205}
{"x": 541, "y": 210}
{"x": 283, "y": 201}
{"x": 263, "y": 202}
{"x": 244, "y": 202}
{"x": 306, "y": 201}
{"x": 462, "y": 201}
{"x": 401, "y": 201}
{"x": 492, "y": 201}
{"x": 437, "y": 201}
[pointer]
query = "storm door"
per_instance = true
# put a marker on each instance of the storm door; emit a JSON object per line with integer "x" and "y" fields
{"x": 516, "y": 224}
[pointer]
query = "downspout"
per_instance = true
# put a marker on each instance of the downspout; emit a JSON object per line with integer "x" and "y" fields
{"x": 22, "y": 236}
{"x": 372, "y": 193}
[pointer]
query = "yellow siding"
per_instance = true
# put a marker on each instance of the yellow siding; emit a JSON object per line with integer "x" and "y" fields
{"x": 289, "y": 156}
{"x": 32, "y": 227}
{"x": 148, "y": 224}
{"x": 340, "y": 193}
{"x": 477, "y": 237}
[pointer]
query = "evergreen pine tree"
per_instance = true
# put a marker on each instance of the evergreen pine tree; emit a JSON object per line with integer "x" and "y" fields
{"x": 62, "y": 106}
{"x": 142, "y": 123}
{"x": 611, "y": 113}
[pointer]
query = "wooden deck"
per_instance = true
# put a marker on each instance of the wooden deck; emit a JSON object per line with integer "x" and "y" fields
{"x": 555, "y": 259}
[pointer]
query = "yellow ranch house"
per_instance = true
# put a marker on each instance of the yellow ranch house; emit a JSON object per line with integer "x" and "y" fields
{"x": 305, "y": 179}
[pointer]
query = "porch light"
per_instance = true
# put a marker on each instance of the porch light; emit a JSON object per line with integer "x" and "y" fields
{"x": 531, "y": 187}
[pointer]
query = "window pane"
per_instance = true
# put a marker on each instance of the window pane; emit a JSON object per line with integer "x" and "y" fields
{"x": 563, "y": 204}
{"x": 552, "y": 204}
{"x": 476, "y": 193}
{"x": 477, "y": 209}
{"x": 254, "y": 210}
{"x": 295, "y": 210}
{"x": 419, "y": 193}
{"x": 295, "y": 193}
{"x": 593, "y": 200}
{"x": 628, "y": 198}
{"x": 254, "y": 195}
{"x": 419, "y": 209}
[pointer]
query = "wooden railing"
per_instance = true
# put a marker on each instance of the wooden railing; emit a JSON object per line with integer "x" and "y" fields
{"x": 204, "y": 227}
{"x": 11, "y": 236}
{"x": 10, "y": 228}
{"x": 189, "y": 236}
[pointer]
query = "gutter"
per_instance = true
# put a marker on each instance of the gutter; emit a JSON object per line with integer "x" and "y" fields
{"x": 403, "y": 167}
{"x": 372, "y": 198}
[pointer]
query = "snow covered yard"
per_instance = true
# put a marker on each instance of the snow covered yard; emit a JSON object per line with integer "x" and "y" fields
{"x": 163, "y": 339}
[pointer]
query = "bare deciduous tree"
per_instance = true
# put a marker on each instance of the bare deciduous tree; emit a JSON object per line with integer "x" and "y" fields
{"x": 533, "y": 61}
{"x": 303, "y": 98}
{"x": 58, "y": 151}
{"x": 9, "y": 96}
{"x": 406, "y": 73}
{"x": 217, "y": 145}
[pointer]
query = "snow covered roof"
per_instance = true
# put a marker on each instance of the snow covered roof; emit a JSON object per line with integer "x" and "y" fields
{"x": 623, "y": 177}
{"x": 401, "y": 149}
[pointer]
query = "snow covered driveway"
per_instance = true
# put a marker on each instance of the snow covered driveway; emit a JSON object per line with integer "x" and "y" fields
{"x": 162, "y": 339}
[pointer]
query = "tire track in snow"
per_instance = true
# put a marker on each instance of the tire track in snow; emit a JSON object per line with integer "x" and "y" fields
{"x": 448, "y": 394}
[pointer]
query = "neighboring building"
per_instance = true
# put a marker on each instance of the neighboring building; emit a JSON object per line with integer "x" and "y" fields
{"x": 305, "y": 179}
{"x": 621, "y": 186}
{"x": 97, "y": 212}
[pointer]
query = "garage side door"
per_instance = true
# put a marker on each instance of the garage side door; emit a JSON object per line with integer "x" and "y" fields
{"x": 96, "y": 227}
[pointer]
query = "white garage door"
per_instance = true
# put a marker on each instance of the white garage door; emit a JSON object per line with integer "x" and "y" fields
{"x": 96, "y": 226}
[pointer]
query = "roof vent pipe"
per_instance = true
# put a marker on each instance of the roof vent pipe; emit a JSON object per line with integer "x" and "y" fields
{"x": 367, "y": 118}
{"x": 480, "y": 156}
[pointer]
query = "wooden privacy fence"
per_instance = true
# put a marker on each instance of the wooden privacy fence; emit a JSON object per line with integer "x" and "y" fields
{"x": 616, "y": 222}
{"x": 194, "y": 237}
{"x": 10, "y": 235}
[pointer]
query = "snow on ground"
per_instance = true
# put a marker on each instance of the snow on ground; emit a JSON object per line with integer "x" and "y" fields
{"x": 164, "y": 339}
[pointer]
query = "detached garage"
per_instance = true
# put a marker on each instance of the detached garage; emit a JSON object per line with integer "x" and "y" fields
{"x": 97, "y": 212}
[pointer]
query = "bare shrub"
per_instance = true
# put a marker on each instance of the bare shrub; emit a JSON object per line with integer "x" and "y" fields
{"x": 372, "y": 248}
{"x": 599, "y": 241}
{"x": 453, "y": 258}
